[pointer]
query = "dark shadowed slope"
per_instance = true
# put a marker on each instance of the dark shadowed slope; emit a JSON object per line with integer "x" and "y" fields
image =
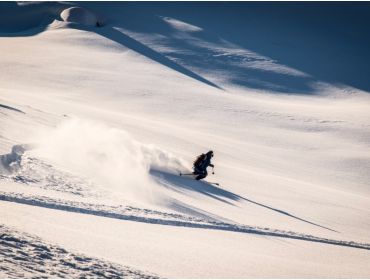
{"x": 278, "y": 47}
{"x": 27, "y": 19}
{"x": 325, "y": 42}
{"x": 33, "y": 19}
{"x": 128, "y": 42}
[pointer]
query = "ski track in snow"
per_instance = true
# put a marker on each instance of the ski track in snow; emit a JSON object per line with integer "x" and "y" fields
{"x": 26, "y": 256}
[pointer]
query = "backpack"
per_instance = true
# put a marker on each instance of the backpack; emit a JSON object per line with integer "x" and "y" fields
{"x": 199, "y": 160}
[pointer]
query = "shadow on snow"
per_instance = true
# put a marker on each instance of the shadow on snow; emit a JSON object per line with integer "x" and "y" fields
{"x": 130, "y": 43}
{"x": 278, "y": 47}
{"x": 304, "y": 43}
{"x": 209, "y": 226}
{"x": 181, "y": 184}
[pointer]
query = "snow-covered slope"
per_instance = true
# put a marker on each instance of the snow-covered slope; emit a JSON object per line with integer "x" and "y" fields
{"x": 103, "y": 105}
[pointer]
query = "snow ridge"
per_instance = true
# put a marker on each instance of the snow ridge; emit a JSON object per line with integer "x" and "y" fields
{"x": 169, "y": 219}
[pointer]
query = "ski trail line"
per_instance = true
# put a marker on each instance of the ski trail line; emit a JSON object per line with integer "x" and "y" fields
{"x": 162, "y": 218}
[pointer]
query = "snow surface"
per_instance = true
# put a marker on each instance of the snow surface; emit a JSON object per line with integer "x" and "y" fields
{"x": 79, "y": 15}
{"x": 26, "y": 256}
{"x": 97, "y": 122}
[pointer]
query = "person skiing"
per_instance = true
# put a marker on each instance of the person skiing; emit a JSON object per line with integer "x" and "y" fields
{"x": 201, "y": 164}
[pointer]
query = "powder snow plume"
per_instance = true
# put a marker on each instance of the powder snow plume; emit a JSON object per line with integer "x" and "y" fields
{"x": 109, "y": 157}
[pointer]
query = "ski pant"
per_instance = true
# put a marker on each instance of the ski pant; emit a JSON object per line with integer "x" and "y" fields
{"x": 201, "y": 174}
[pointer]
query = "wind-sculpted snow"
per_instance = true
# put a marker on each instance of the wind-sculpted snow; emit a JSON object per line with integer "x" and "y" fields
{"x": 26, "y": 256}
{"x": 169, "y": 219}
{"x": 11, "y": 108}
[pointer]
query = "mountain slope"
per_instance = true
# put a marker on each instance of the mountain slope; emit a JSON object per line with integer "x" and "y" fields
{"x": 105, "y": 118}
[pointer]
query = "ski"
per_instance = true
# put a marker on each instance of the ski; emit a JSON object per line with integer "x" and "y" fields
{"x": 192, "y": 174}
{"x": 212, "y": 183}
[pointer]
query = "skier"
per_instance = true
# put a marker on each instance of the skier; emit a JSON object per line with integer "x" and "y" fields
{"x": 201, "y": 164}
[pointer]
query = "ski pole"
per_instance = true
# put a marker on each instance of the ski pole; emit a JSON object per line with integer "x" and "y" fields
{"x": 186, "y": 174}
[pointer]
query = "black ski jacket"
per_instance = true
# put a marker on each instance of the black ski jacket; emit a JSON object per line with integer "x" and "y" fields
{"x": 206, "y": 162}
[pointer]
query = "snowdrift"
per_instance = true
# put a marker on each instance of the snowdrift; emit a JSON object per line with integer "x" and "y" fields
{"x": 80, "y": 15}
{"x": 29, "y": 18}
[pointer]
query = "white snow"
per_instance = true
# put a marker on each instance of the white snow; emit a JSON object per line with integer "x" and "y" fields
{"x": 181, "y": 26}
{"x": 106, "y": 117}
{"x": 79, "y": 15}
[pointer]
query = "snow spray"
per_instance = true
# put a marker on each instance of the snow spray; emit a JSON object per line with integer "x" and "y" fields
{"x": 109, "y": 157}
